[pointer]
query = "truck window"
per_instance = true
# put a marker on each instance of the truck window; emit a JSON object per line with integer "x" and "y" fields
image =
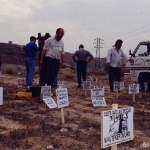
{"x": 141, "y": 50}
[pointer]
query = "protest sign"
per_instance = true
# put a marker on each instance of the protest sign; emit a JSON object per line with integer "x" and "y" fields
{"x": 97, "y": 91}
{"x": 98, "y": 101}
{"x": 86, "y": 85}
{"x": 133, "y": 88}
{"x": 1, "y": 95}
{"x": 118, "y": 86}
{"x": 117, "y": 126}
{"x": 46, "y": 91}
{"x": 60, "y": 83}
{"x": 20, "y": 83}
{"x": 62, "y": 97}
{"x": 94, "y": 79}
{"x": 50, "y": 102}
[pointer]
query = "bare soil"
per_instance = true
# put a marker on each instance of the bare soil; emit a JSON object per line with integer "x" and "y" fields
{"x": 28, "y": 124}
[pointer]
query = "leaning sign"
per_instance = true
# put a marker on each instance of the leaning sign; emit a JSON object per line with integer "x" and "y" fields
{"x": 116, "y": 126}
{"x": 97, "y": 91}
{"x": 98, "y": 101}
{"x": 86, "y": 85}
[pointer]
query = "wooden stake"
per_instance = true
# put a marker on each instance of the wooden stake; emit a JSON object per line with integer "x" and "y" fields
{"x": 117, "y": 94}
{"x": 62, "y": 111}
{"x": 85, "y": 93}
{"x": 133, "y": 98}
{"x": 114, "y": 107}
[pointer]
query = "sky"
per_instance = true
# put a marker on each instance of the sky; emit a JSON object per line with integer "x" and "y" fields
{"x": 82, "y": 20}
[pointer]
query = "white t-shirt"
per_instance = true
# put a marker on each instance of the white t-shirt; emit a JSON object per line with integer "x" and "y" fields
{"x": 54, "y": 49}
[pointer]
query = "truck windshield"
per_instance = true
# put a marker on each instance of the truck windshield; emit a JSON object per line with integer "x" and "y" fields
{"x": 141, "y": 50}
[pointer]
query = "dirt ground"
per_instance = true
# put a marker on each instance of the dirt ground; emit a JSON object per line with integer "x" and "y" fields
{"x": 28, "y": 124}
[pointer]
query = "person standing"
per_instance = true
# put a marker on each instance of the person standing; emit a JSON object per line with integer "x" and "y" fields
{"x": 30, "y": 52}
{"x": 80, "y": 57}
{"x": 114, "y": 56}
{"x": 54, "y": 52}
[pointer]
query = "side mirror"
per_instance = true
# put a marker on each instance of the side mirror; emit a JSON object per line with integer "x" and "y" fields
{"x": 131, "y": 53}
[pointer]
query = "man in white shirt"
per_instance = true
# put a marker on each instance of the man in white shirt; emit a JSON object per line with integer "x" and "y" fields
{"x": 53, "y": 51}
{"x": 113, "y": 62}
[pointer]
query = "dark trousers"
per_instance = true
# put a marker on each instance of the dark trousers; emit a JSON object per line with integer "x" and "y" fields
{"x": 114, "y": 75}
{"x": 81, "y": 71}
{"x": 52, "y": 69}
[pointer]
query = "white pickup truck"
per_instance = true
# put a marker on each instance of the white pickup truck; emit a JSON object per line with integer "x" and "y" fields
{"x": 138, "y": 69}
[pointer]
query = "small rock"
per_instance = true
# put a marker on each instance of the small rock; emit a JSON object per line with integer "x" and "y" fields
{"x": 63, "y": 130}
{"x": 50, "y": 147}
{"x": 144, "y": 145}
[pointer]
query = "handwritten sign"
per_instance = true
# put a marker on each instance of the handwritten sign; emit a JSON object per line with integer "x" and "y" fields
{"x": 118, "y": 86}
{"x": 94, "y": 79}
{"x": 60, "y": 83}
{"x": 133, "y": 88}
{"x": 1, "y": 95}
{"x": 46, "y": 91}
{"x": 97, "y": 91}
{"x": 50, "y": 103}
{"x": 117, "y": 126}
{"x": 62, "y": 97}
{"x": 86, "y": 85}
{"x": 98, "y": 101}
{"x": 20, "y": 83}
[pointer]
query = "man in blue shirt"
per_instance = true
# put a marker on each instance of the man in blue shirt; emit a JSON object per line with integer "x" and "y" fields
{"x": 30, "y": 52}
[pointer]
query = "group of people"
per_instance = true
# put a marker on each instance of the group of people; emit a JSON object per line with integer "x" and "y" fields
{"x": 51, "y": 56}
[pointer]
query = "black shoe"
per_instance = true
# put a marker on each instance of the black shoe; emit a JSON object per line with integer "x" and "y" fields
{"x": 79, "y": 86}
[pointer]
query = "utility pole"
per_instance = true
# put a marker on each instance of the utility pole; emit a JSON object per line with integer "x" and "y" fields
{"x": 98, "y": 43}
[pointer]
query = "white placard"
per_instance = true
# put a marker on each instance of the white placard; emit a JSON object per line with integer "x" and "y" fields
{"x": 94, "y": 79}
{"x": 117, "y": 126}
{"x": 60, "y": 83}
{"x": 50, "y": 103}
{"x": 98, "y": 101}
{"x": 20, "y": 83}
{"x": 62, "y": 97}
{"x": 86, "y": 85}
{"x": 118, "y": 86}
{"x": 133, "y": 88}
{"x": 97, "y": 91}
{"x": 46, "y": 91}
{"x": 1, "y": 95}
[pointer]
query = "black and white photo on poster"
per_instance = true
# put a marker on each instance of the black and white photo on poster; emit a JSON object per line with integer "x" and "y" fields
{"x": 97, "y": 91}
{"x": 94, "y": 79}
{"x": 98, "y": 101}
{"x": 62, "y": 97}
{"x": 133, "y": 88}
{"x": 46, "y": 91}
{"x": 118, "y": 86}
{"x": 20, "y": 83}
{"x": 117, "y": 126}
{"x": 86, "y": 85}
{"x": 50, "y": 102}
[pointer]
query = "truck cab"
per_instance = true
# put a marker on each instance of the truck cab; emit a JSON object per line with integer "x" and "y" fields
{"x": 138, "y": 68}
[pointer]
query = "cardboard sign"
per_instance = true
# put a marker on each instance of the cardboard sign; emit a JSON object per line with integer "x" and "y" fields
{"x": 20, "y": 83}
{"x": 94, "y": 79}
{"x": 86, "y": 85}
{"x": 62, "y": 97}
{"x": 50, "y": 103}
{"x": 97, "y": 91}
{"x": 118, "y": 86}
{"x": 133, "y": 88}
{"x": 117, "y": 126}
{"x": 46, "y": 91}
{"x": 98, "y": 101}
{"x": 1, "y": 95}
{"x": 60, "y": 83}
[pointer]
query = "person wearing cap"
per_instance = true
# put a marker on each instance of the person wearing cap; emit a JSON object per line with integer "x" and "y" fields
{"x": 53, "y": 51}
{"x": 114, "y": 63}
{"x": 80, "y": 57}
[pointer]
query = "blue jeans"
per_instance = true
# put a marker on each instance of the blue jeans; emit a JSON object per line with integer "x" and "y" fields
{"x": 56, "y": 79}
{"x": 30, "y": 70}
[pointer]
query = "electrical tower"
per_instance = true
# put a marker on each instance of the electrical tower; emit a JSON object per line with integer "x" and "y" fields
{"x": 98, "y": 43}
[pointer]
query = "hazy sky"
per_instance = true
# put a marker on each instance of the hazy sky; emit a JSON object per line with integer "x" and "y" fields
{"x": 82, "y": 20}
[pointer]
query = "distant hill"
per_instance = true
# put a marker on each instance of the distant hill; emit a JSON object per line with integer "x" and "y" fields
{"x": 14, "y": 54}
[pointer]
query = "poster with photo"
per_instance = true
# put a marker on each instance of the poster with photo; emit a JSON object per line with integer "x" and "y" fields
{"x": 86, "y": 85}
{"x": 98, "y": 101}
{"x": 118, "y": 86}
{"x": 97, "y": 91}
{"x": 62, "y": 97}
{"x": 116, "y": 126}
{"x": 133, "y": 88}
{"x": 46, "y": 91}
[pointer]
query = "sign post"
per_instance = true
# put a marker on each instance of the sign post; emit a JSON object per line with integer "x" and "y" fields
{"x": 86, "y": 86}
{"x": 118, "y": 86}
{"x": 133, "y": 89}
